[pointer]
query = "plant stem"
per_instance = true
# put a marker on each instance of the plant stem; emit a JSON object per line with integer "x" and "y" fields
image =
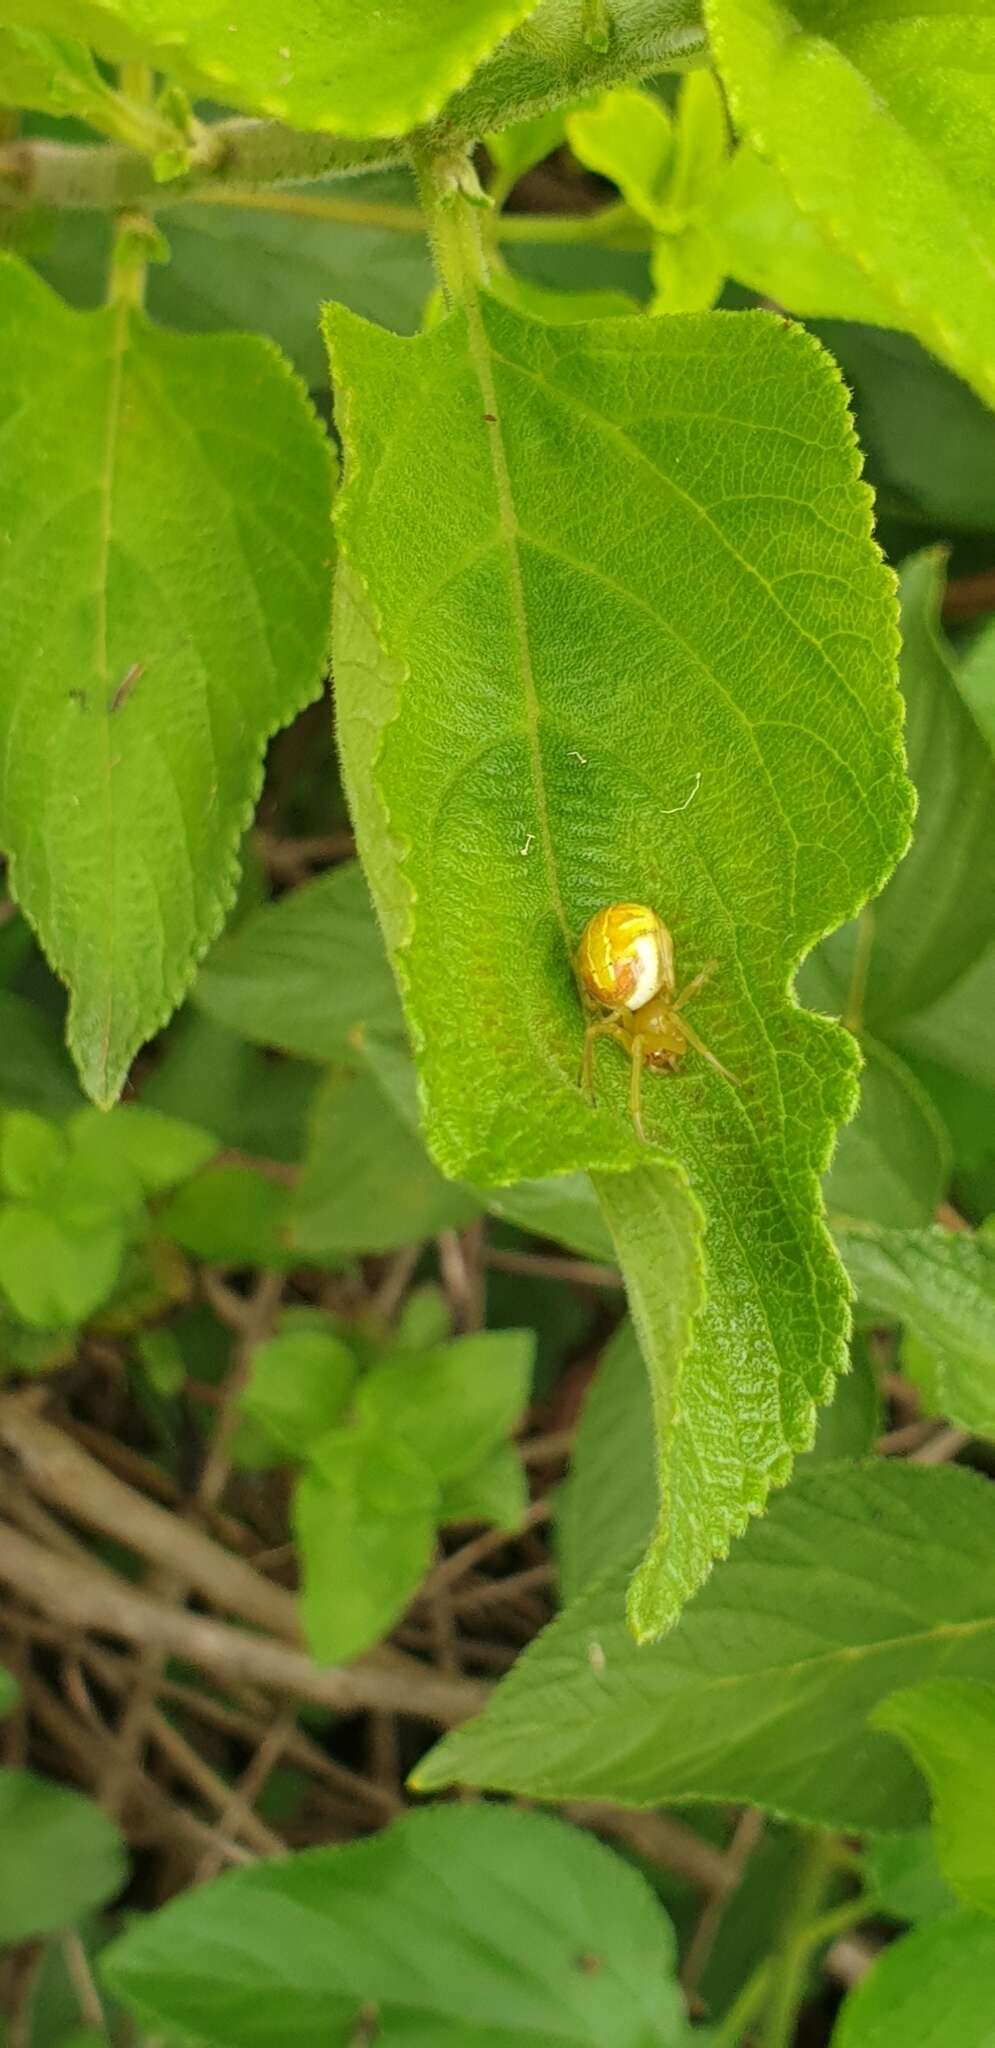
{"x": 789, "y": 1963}
{"x": 519, "y": 81}
{"x": 448, "y": 189}
{"x": 853, "y": 1012}
{"x": 825, "y": 1928}
{"x": 612, "y": 226}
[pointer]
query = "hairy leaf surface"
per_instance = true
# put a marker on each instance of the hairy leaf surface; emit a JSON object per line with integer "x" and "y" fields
{"x": 860, "y": 1579}
{"x": 370, "y": 71}
{"x": 163, "y": 587}
{"x": 610, "y": 626}
{"x": 455, "y": 1926}
{"x": 881, "y": 121}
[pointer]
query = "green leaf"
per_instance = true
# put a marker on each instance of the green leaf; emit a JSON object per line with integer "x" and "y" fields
{"x": 159, "y": 1150}
{"x": 367, "y": 1183}
{"x": 454, "y": 1404}
{"x": 516, "y": 149}
{"x": 759, "y": 1697}
{"x": 628, "y": 136}
{"x": 232, "y": 1089}
{"x": 541, "y": 303}
{"x": 687, "y": 271}
{"x": 574, "y": 664}
{"x": 905, "y": 1877}
{"x": 949, "y": 1727}
{"x": 882, "y": 129}
{"x": 32, "y": 1153}
{"x": 937, "y": 915}
{"x": 605, "y": 1507}
{"x": 365, "y": 1516}
{"x": 263, "y": 266}
{"x": 174, "y": 619}
{"x": 59, "y": 77}
{"x": 493, "y": 1491}
{"x": 34, "y": 1070}
{"x": 851, "y": 1425}
{"x": 367, "y": 74}
{"x": 977, "y": 682}
{"x": 929, "y": 440}
{"x": 941, "y": 1285}
{"x": 307, "y": 973}
{"x": 9, "y": 1692}
{"x": 769, "y": 244}
{"x": 892, "y": 1163}
{"x": 929, "y": 1990}
{"x": 234, "y": 1216}
{"x": 299, "y": 1383}
{"x": 563, "y": 1207}
{"x": 955, "y": 1031}
{"x": 452, "y": 1926}
{"x": 61, "y": 1856}
{"x": 53, "y": 1274}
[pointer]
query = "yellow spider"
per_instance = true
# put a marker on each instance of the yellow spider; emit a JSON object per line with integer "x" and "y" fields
{"x": 625, "y": 961}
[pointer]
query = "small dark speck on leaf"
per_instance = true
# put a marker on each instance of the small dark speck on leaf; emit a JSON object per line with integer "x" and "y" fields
{"x": 367, "y": 2027}
{"x": 590, "y": 1965}
{"x": 491, "y": 418}
{"x": 126, "y": 685}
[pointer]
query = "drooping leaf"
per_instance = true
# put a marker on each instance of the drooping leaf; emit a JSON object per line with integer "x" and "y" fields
{"x": 365, "y": 1516}
{"x": 892, "y": 1163}
{"x": 61, "y": 1856}
{"x": 851, "y": 1425}
{"x": 932, "y": 1988}
{"x": 452, "y": 1926}
{"x": 882, "y": 128}
{"x": 305, "y": 973}
{"x": 367, "y": 1183}
{"x": 172, "y": 621}
{"x": 941, "y": 1285}
{"x": 364, "y": 73}
{"x": 937, "y": 916}
{"x": 757, "y": 1696}
{"x": 977, "y": 682}
{"x": 604, "y": 1509}
{"x": 567, "y": 705}
{"x": 904, "y": 1875}
{"x": 930, "y": 441}
{"x": 949, "y": 1726}
{"x": 35, "y": 1072}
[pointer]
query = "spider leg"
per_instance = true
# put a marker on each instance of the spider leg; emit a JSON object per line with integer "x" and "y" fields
{"x": 601, "y": 1027}
{"x": 635, "y": 1047}
{"x": 693, "y": 986}
{"x": 700, "y": 1046}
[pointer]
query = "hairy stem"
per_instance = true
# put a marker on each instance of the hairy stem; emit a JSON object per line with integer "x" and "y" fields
{"x": 525, "y": 76}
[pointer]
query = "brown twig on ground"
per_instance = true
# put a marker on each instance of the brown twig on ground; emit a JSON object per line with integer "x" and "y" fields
{"x": 70, "y": 1479}
{"x": 86, "y": 1596}
{"x": 660, "y": 1839}
{"x": 945, "y": 1444}
{"x": 746, "y": 1834}
{"x": 550, "y": 1266}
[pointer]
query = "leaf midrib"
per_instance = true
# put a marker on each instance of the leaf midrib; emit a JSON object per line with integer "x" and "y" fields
{"x": 119, "y": 338}
{"x": 510, "y": 536}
